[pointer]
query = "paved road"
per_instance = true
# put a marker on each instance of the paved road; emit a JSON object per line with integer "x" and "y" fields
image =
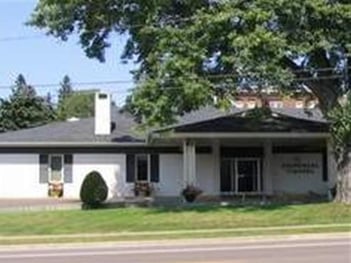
{"x": 283, "y": 250}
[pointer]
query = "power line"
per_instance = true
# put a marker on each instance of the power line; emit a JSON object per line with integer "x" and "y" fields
{"x": 220, "y": 76}
{"x": 88, "y": 83}
{"x": 19, "y": 38}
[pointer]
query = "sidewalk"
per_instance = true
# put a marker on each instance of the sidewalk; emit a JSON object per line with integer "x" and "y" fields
{"x": 37, "y": 204}
{"x": 142, "y": 235}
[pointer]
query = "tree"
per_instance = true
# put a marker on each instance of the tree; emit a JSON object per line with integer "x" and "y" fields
{"x": 78, "y": 104}
{"x": 191, "y": 51}
{"x": 73, "y": 103}
{"x": 65, "y": 89}
{"x": 24, "y": 108}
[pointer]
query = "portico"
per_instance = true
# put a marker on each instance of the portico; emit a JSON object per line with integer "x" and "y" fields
{"x": 276, "y": 155}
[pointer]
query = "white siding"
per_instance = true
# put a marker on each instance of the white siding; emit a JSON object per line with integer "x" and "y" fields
{"x": 204, "y": 174}
{"x": 110, "y": 166}
{"x": 171, "y": 175}
{"x": 286, "y": 181}
{"x": 19, "y": 176}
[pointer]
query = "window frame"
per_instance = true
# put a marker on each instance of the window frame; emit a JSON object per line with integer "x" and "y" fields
{"x": 148, "y": 161}
{"x": 62, "y": 168}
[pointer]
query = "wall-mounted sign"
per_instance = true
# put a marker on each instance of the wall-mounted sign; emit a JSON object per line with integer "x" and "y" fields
{"x": 300, "y": 166}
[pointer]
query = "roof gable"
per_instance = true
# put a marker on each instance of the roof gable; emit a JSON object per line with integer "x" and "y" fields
{"x": 253, "y": 121}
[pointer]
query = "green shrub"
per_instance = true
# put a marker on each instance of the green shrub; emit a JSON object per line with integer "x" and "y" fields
{"x": 93, "y": 191}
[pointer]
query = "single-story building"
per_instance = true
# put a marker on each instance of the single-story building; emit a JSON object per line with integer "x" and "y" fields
{"x": 283, "y": 151}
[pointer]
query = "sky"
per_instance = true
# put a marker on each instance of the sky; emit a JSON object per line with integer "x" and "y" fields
{"x": 45, "y": 60}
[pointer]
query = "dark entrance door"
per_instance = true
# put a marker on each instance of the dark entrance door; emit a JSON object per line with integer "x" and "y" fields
{"x": 239, "y": 175}
{"x": 247, "y": 173}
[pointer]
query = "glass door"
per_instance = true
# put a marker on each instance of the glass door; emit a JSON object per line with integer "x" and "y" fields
{"x": 247, "y": 175}
{"x": 240, "y": 175}
{"x": 227, "y": 182}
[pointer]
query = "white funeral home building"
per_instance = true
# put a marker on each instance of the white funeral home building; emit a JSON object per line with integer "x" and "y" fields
{"x": 284, "y": 151}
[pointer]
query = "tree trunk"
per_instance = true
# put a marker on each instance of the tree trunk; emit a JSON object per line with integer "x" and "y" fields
{"x": 343, "y": 184}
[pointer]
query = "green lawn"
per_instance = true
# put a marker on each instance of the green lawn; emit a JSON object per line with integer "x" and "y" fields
{"x": 153, "y": 219}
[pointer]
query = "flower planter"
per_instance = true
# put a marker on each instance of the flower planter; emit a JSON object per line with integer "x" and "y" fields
{"x": 190, "y": 193}
{"x": 190, "y": 198}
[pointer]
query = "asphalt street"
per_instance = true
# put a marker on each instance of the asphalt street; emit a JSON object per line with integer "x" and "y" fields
{"x": 283, "y": 250}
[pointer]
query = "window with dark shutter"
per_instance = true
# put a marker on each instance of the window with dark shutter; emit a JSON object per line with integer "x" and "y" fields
{"x": 155, "y": 170}
{"x": 130, "y": 168}
{"x": 43, "y": 169}
{"x": 68, "y": 168}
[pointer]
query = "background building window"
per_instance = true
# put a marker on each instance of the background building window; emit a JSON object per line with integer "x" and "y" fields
{"x": 276, "y": 104}
{"x": 251, "y": 104}
{"x": 239, "y": 104}
{"x": 299, "y": 104}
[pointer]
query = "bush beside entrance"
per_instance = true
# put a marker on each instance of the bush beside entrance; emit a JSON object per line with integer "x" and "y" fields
{"x": 93, "y": 191}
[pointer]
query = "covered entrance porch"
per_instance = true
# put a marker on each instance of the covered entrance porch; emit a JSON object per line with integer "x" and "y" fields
{"x": 249, "y": 154}
{"x": 258, "y": 167}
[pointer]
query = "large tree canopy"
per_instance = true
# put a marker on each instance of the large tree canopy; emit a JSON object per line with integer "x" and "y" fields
{"x": 190, "y": 51}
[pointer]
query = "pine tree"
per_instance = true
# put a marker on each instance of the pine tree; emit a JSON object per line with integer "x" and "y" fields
{"x": 24, "y": 108}
{"x": 66, "y": 89}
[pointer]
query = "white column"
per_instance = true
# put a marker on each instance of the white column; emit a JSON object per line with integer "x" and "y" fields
{"x": 189, "y": 163}
{"x": 331, "y": 162}
{"x": 267, "y": 167}
{"x": 192, "y": 163}
{"x": 185, "y": 164}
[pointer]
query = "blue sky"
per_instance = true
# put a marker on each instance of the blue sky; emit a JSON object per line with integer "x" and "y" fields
{"x": 47, "y": 60}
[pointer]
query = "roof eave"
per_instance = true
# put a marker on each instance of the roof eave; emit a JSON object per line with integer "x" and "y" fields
{"x": 70, "y": 144}
{"x": 248, "y": 135}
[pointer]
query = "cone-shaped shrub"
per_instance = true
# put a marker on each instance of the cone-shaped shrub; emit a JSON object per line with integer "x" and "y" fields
{"x": 93, "y": 191}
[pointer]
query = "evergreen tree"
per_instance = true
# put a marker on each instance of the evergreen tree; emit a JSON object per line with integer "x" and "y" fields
{"x": 65, "y": 89}
{"x": 23, "y": 108}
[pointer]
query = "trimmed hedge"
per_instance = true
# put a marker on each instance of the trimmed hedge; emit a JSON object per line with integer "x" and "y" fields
{"x": 93, "y": 191}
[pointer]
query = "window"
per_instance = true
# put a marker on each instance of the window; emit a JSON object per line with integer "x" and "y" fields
{"x": 311, "y": 104}
{"x": 299, "y": 104}
{"x": 276, "y": 104}
{"x": 142, "y": 167}
{"x": 251, "y": 104}
{"x": 239, "y": 104}
{"x": 56, "y": 168}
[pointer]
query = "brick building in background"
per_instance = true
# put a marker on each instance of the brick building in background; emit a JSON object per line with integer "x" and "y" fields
{"x": 298, "y": 100}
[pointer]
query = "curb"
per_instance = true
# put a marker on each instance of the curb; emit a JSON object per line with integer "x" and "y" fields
{"x": 174, "y": 232}
{"x": 185, "y": 241}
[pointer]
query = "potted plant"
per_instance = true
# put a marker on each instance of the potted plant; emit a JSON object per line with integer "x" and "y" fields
{"x": 190, "y": 193}
{"x": 143, "y": 189}
{"x": 55, "y": 189}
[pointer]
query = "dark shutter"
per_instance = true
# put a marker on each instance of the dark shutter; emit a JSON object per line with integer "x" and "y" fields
{"x": 68, "y": 168}
{"x": 130, "y": 168}
{"x": 155, "y": 168}
{"x": 43, "y": 169}
{"x": 325, "y": 166}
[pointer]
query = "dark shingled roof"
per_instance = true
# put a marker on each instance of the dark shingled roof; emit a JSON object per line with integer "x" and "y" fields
{"x": 123, "y": 130}
{"x": 212, "y": 119}
{"x": 124, "y": 126}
